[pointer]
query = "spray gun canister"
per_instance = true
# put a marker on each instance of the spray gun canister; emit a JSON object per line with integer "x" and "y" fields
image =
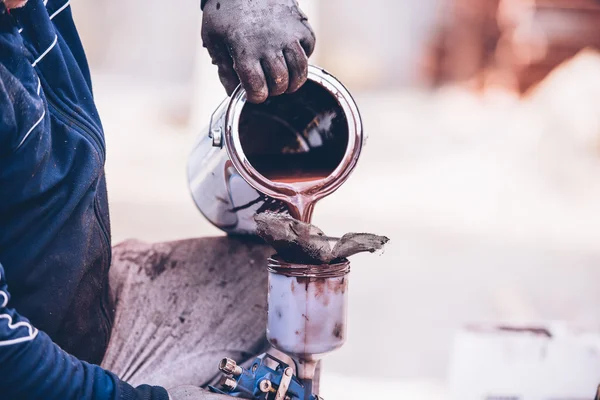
{"x": 307, "y": 311}
{"x": 307, "y": 307}
{"x": 275, "y": 155}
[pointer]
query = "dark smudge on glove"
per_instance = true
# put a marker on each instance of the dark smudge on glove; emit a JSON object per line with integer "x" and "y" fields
{"x": 262, "y": 44}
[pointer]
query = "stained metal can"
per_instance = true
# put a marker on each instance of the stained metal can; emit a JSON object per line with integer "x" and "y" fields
{"x": 251, "y": 157}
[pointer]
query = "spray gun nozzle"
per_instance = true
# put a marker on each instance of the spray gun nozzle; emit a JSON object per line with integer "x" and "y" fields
{"x": 229, "y": 366}
{"x": 228, "y": 383}
{"x": 267, "y": 378}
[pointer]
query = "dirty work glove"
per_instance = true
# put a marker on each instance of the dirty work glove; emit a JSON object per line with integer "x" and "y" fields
{"x": 194, "y": 393}
{"x": 264, "y": 44}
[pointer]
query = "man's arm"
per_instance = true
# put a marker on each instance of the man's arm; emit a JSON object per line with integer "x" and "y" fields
{"x": 262, "y": 44}
{"x": 33, "y": 367}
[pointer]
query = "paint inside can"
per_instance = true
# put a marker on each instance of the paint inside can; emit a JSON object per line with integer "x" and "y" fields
{"x": 296, "y": 137}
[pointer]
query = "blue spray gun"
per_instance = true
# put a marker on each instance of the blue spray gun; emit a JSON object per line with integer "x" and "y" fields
{"x": 261, "y": 381}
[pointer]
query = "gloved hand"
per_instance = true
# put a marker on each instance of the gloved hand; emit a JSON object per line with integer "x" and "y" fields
{"x": 194, "y": 393}
{"x": 264, "y": 44}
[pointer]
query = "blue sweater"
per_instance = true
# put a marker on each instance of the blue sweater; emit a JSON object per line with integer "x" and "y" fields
{"x": 54, "y": 225}
{"x": 33, "y": 367}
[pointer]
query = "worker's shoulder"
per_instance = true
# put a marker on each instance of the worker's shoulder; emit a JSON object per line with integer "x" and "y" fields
{"x": 13, "y": 51}
{"x": 56, "y": 7}
{"x": 20, "y": 101}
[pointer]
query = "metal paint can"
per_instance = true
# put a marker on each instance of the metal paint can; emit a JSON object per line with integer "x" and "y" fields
{"x": 251, "y": 157}
{"x": 307, "y": 310}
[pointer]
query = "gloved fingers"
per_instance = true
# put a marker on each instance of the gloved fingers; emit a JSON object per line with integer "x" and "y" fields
{"x": 252, "y": 79}
{"x": 228, "y": 77}
{"x": 297, "y": 65}
{"x": 276, "y": 74}
{"x": 213, "y": 45}
{"x": 219, "y": 54}
{"x": 308, "y": 40}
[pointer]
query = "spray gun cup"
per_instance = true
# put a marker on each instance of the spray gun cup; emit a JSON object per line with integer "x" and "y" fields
{"x": 307, "y": 310}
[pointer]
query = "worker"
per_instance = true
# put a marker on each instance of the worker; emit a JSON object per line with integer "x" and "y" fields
{"x": 68, "y": 328}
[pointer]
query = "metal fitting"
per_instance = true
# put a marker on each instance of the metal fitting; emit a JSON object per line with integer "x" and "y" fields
{"x": 284, "y": 384}
{"x": 217, "y": 137}
{"x": 229, "y": 366}
{"x": 228, "y": 383}
{"x": 265, "y": 386}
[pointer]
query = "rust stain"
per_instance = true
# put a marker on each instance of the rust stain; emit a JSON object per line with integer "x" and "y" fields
{"x": 318, "y": 283}
{"x": 319, "y": 287}
{"x": 274, "y": 341}
{"x": 303, "y": 281}
{"x": 337, "y": 286}
{"x": 338, "y": 331}
{"x": 293, "y": 287}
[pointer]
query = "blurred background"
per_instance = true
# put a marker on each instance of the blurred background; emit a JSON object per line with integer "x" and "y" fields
{"x": 482, "y": 166}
